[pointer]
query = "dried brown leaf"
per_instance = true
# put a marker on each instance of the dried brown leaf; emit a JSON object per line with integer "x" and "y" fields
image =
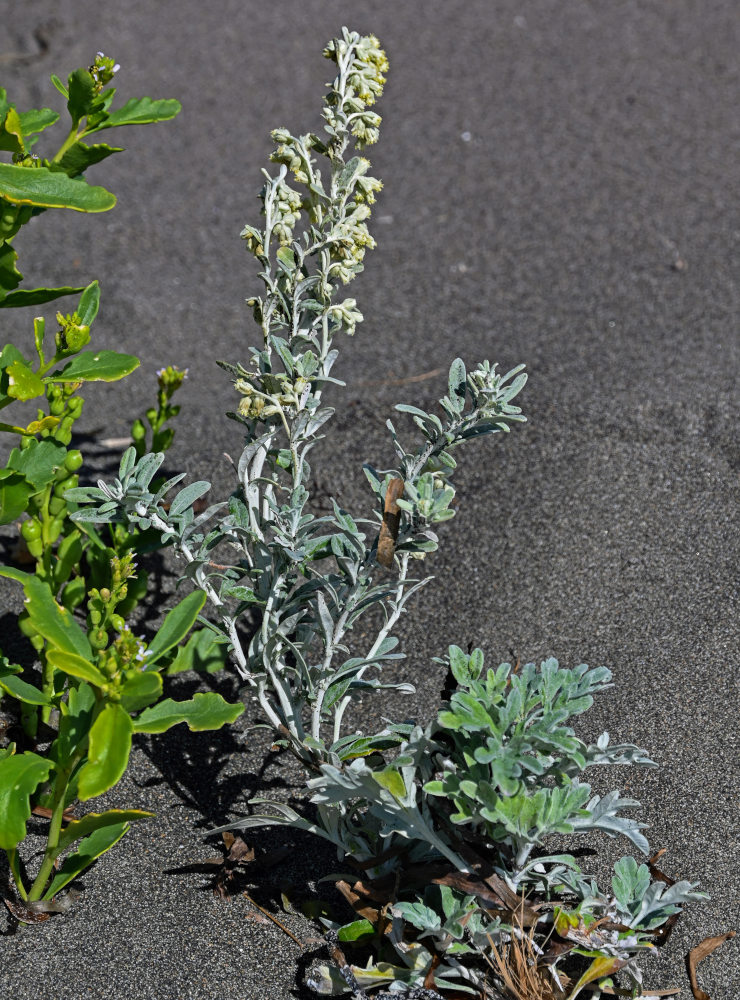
{"x": 495, "y": 893}
{"x": 391, "y": 522}
{"x": 429, "y": 978}
{"x": 356, "y": 901}
{"x": 707, "y": 946}
{"x": 25, "y": 914}
{"x": 41, "y": 909}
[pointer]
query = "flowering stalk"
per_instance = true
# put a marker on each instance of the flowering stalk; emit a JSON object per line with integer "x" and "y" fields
{"x": 309, "y": 579}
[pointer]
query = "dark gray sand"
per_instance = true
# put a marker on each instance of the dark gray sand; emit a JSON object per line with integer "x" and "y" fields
{"x": 560, "y": 189}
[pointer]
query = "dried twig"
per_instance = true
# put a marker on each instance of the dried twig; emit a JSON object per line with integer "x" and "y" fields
{"x": 274, "y": 920}
{"x": 399, "y": 381}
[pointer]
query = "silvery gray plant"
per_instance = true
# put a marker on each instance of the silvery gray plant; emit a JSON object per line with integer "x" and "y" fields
{"x": 471, "y": 798}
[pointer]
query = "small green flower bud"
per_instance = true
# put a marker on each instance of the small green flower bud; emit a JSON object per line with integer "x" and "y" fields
{"x": 103, "y": 70}
{"x": 170, "y": 379}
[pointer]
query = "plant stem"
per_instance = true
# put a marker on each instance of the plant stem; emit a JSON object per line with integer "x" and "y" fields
{"x": 55, "y": 828}
{"x": 72, "y": 137}
{"x": 15, "y": 870}
{"x": 382, "y": 635}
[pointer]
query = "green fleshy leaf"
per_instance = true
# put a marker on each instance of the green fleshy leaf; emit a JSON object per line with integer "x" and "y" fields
{"x": 10, "y": 276}
{"x": 108, "y": 753}
{"x": 82, "y": 94}
{"x": 80, "y": 156}
{"x": 20, "y": 775}
{"x": 36, "y": 120}
{"x": 356, "y": 931}
{"x": 38, "y": 462}
{"x": 202, "y": 712}
{"x": 96, "y": 366}
{"x": 141, "y": 690}
{"x": 142, "y": 111}
{"x": 36, "y": 296}
{"x": 89, "y": 850}
{"x": 13, "y": 685}
{"x": 76, "y": 666}
{"x": 202, "y": 652}
{"x": 74, "y": 724}
{"x": 59, "y": 85}
{"x": 8, "y": 356}
{"x": 23, "y": 383}
{"x": 46, "y": 188}
{"x": 11, "y": 132}
{"x": 53, "y": 622}
{"x": 176, "y": 625}
{"x": 89, "y": 304}
{"x": 97, "y": 821}
{"x": 15, "y": 493}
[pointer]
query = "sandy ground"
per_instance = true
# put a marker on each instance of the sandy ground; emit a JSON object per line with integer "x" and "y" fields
{"x": 560, "y": 189}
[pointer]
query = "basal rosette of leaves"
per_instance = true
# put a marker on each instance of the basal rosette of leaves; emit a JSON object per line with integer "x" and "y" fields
{"x": 451, "y": 834}
{"x": 448, "y": 823}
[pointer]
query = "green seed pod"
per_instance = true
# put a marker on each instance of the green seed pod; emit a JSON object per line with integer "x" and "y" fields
{"x": 138, "y": 430}
{"x": 73, "y": 460}
{"x": 117, "y": 623}
{"x": 36, "y": 548}
{"x": 37, "y": 641}
{"x": 31, "y": 529}
{"x": 98, "y": 638}
{"x": 57, "y": 504}
{"x": 65, "y": 484}
{"x": 55, "y": 528}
